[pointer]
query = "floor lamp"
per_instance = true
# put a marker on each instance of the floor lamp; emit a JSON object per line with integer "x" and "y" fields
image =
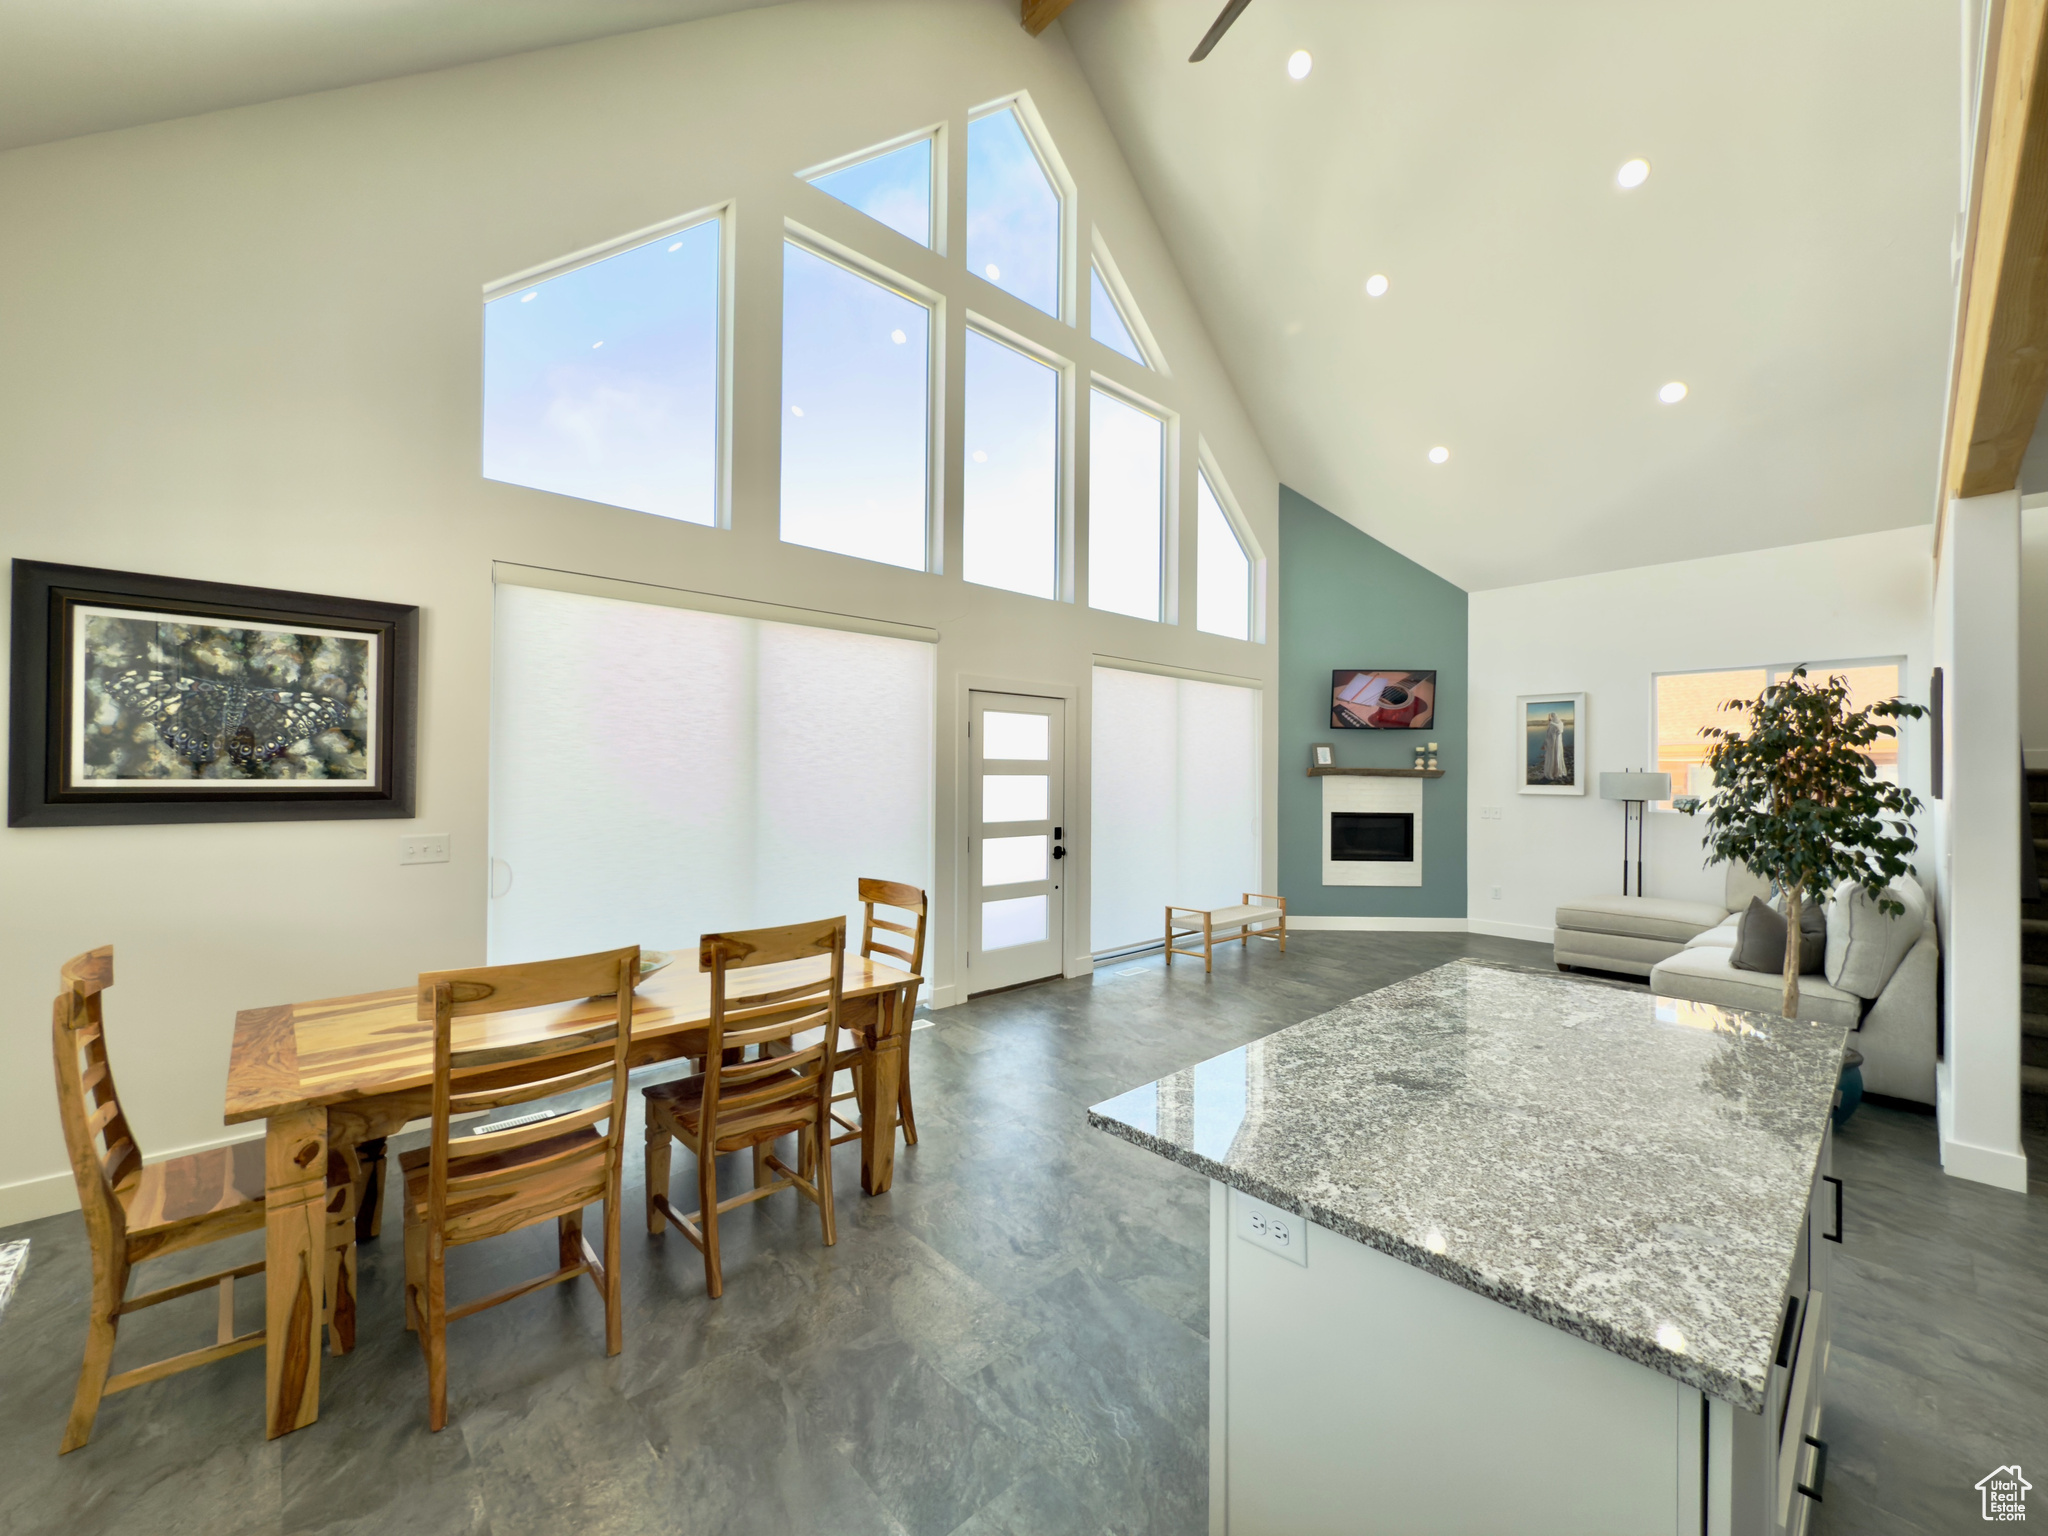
{"x": 1635, "y": 791}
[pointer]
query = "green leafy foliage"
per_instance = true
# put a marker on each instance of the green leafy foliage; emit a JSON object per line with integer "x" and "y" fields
{"x": 1798, "y": 800}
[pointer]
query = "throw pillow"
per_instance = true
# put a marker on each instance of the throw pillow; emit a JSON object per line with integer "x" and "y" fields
{"x": 1813, "y": 931}
{"x": 1865, "y": 946}
{"x": 1760, "y": 939}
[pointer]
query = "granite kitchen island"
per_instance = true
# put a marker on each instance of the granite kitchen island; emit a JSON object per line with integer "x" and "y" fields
{"x": 1562, "y": 1267}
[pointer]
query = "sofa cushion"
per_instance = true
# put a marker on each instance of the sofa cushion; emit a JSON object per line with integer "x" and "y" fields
{"x": 1642, "y": 917}
{"x": 1610, "y": 951}
{"x": 1722, "y": 933}
{"x": 1705, "y": 975}
{"x": 1738, "y": 885}
{"x": 1760, "y": 938}
{"x": 1864, "y": 944}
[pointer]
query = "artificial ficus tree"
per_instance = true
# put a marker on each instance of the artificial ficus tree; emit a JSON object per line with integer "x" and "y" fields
{"x": 1797, "y": 799}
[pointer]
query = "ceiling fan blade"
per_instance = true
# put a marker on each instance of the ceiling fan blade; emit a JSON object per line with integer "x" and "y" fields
{"x": 1216, "y": 30}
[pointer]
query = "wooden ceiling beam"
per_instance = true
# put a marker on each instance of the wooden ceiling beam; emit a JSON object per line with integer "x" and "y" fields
{"x": 2001, "y": 367}
{"x": 1040, "y": 14}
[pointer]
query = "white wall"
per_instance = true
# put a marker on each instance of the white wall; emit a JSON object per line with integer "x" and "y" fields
{"x": 1604, "y": 635}
{"x": 2034, "y": 631}
{"x": 245, "y": 347}
{"x": 1976, "y": 841}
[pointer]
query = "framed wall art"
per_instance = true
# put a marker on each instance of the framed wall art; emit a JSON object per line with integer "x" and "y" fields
{"x": 157, "y": 699}
{"x": 1551, "y": 731}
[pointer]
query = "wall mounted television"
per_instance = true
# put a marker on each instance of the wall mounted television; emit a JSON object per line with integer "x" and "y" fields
{"x": 1392, "y": 699}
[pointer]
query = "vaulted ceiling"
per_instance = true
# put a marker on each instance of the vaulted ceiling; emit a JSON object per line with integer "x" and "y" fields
{"x": 1788, "y": 259}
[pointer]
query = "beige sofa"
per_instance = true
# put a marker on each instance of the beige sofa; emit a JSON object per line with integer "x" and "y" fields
{"x": 1894, "y": 1030}
{"x": 1632, "y": 934}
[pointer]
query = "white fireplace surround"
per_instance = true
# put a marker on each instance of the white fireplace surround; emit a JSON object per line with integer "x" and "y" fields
{"x": 1343, "y": 792}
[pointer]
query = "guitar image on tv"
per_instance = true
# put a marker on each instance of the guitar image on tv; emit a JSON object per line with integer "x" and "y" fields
{"x": 1382, "y": 701}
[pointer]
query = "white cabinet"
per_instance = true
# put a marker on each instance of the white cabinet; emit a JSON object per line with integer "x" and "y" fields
{"x": 1356, "y": 1393}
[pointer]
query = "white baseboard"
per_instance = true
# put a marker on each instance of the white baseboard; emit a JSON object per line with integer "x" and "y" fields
{"x": 940, "y": 997}
{"x": 1378, "y": 924}
{"x": 55, "y": 1193}
{"x": 1529, "y": 931}
{"x": 1984, "y": 1165}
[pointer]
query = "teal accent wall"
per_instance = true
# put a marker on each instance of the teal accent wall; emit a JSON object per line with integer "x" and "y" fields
{"x": 1346, "y": 600}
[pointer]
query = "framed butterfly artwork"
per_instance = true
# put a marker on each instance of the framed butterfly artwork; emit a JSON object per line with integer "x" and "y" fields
{"x": 158, "y": 699}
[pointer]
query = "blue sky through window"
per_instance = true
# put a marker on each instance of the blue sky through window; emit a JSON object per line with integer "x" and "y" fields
{"x": 1012, "y": 474}
{"x": 1223, "y": 571}
{"x": 1106, "y": 320}
{"x": 1013, "y": 212}
{"x": 1126, "y": 489}
{"x": 856, "y": 412}
{"x": 894, "y": 188}
{"x": 602, "y": 383}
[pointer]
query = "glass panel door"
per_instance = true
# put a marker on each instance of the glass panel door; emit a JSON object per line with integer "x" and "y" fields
{"x": 1016, "y": 851}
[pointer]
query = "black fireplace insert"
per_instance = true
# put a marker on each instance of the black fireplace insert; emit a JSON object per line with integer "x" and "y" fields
{"x": 1372, "y": 837}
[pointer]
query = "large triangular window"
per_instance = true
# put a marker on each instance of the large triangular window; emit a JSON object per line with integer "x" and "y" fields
{"x": 890, "y": 186}
{"x": 1107, "y": 322}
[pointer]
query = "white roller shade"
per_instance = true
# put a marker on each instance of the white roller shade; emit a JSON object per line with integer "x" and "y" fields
{"x": 1174, "y": 808}
{"x": 659, "y": 773}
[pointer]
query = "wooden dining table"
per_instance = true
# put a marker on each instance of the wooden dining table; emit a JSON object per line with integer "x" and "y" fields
{"x": 332, "y": 1074}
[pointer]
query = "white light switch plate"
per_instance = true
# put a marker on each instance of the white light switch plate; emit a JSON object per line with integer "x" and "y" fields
{"x": 1271, "y": 1228}
{"x": 423, "y": 848}
{"x": 1489, "y": 813}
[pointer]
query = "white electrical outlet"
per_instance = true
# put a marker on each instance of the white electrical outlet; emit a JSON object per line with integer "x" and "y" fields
{"x": 1271, "y": 1228}
{"x": 423, "y": 848}
{"x": 1496, "y": 893}
{"x": 1489, "y": 813}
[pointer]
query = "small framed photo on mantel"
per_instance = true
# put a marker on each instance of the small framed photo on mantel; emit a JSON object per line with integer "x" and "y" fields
{"x": 138, "y": 699}
{"x": 1322, "y": 755}
{"x": 1551, "y": 731}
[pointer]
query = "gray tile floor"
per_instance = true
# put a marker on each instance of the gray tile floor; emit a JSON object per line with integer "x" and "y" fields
{"x": 1010, "y": 1343}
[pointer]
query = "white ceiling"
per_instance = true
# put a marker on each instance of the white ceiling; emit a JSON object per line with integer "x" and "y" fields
{"x": 83, "y": 66}
{"x": 1788, "y": 259}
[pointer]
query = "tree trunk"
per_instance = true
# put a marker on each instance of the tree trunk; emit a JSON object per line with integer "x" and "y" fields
{"x": 1794, "y": 903}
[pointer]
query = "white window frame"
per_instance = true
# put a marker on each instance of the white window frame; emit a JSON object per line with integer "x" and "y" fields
{"x": 936, "y": 132}
{"x": 1064, "y": 554}
{"x": 1126, "y": 307}
{"x": 1067, "y": 308}
{"x": 1169, "y": 498}
{"x": 843, "y": 255}
{"x": 590, "y": 255}
{"x": 1254, "y": 553}
{"x": 1773, "y": 671}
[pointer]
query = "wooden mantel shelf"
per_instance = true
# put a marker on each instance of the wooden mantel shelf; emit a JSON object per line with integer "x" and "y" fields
{"x": 1379, "y": 773}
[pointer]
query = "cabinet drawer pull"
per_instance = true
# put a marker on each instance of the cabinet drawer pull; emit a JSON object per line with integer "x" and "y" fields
{"x": 1820, "y": 1469}
{"x": 1789, "y": 1331}
{"x": 1836, "y": 1235}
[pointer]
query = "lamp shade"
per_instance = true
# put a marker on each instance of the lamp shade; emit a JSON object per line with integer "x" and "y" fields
{"x": 1635, "y": 786}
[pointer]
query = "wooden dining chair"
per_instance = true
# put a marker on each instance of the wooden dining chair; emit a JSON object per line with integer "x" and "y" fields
{"x": 734, "y": 1103}
{"x": 508, "y": 1180}
{"x": 135, "y": 1211}
{"x": 862, "y": 1016}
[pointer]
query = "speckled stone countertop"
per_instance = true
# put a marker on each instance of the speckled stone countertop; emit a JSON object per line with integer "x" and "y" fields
{"x": 1628, "y": 1168}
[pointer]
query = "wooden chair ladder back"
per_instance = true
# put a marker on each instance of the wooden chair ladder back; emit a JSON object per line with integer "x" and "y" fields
{"x": 133, "y": 1212}
{"x": 505, "y": 1181}
{"x": 864, "y": 1018}
{"x": 737, "y": 1103}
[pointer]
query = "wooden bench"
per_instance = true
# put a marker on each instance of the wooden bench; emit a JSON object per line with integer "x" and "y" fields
{"x": 1257, "y": 908}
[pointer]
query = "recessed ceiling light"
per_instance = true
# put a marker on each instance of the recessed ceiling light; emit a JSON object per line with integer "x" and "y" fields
{"x": 1299, "y": 64}
{"x": 796, "y": 410}
{"x": 595, "y": 345}
{"x": 995, "y": 273}
{"x": 676, "y": 247}
{"x": 1633, "y": 173}
{"x": 1376, "y": 285}
{"x": 528, "y": 298}
{"x": 981, "y": 455}
{"x": 1672, "y": 393}
{"x": 1439, "y": 455}
{"x": 898, "y": 337}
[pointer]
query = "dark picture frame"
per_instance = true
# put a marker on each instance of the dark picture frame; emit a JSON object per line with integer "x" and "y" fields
{"x": 54, "y": 609}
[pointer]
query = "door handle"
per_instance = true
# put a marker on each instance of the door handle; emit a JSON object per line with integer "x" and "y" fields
{"x": 1836, "y": 1235}
{"x": 1058, "y": 852}
{"x": 1818, "y": 1472}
